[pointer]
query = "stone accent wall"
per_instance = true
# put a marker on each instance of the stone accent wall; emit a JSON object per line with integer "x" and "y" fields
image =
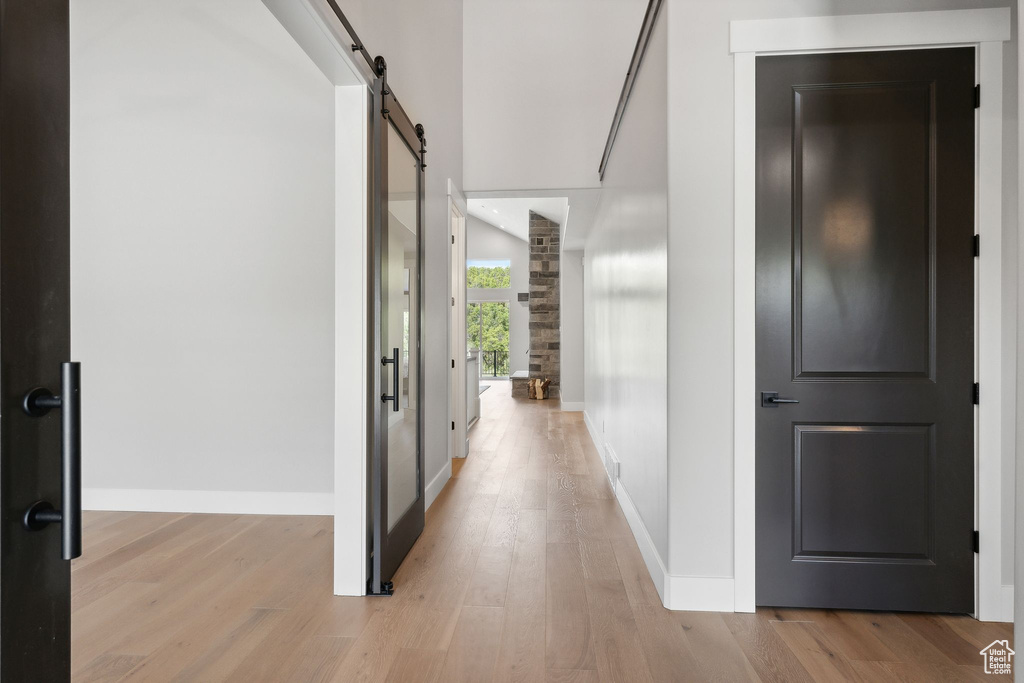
{"x": 545, "y": 245}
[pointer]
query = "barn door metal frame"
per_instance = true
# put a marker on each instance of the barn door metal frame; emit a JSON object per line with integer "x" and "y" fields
{"x": 387, "y": 549}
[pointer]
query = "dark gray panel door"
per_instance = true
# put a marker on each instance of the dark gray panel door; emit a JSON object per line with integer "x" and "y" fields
{"x": 865, "y": 286}
{"x": 35, "y": 582}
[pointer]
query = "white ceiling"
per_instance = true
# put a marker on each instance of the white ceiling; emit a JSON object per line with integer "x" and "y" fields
{"x": 512, "y": 214}
{"x": 574, "y": 210}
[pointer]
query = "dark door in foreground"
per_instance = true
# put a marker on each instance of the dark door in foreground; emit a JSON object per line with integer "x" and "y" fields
{"x": 865, "y": 286}
{"x": 35, "y": 581}
{"x": 396, "y": 398}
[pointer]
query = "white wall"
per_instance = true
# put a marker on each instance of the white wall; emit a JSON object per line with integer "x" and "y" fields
{"x": 422, "y": 43}
{"x": 572, "y": 342}
{"x": 701, "y": 253}
{"x": 484, "y": 241}
{"x": 202, "y": 167}
{"x": 541, "y": 82}
{"x": 625, "y": 288}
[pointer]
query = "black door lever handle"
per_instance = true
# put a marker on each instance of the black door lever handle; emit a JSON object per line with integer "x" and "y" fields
{"x": 770, "y": 399}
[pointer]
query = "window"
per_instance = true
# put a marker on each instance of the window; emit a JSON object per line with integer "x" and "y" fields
{"x": 488, "y": 274}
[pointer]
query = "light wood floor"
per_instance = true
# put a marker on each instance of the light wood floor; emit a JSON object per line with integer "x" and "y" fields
{"x": 526, "y": 571}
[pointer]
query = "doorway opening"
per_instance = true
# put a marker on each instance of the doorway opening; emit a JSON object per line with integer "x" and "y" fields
{"x": 487, "y": 324}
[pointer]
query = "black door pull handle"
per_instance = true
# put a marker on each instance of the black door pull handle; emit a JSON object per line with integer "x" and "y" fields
{"x": 770, "y": 399}
{"x": 394, "y": 379}
{"x": 39, "y": 402}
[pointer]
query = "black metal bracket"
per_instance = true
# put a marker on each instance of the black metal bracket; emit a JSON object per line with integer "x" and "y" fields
{"x": 39, "y": 515}
{"x": 39, "y": 402}
{"x": 423, "y": 151}
{"x": 380, "y": 65}
{"x": 976, "y": 541}
{"x": 386, "y": 588}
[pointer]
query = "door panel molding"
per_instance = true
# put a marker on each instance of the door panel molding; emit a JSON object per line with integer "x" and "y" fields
{"x": 910, "y": 485}
{"x": 984, "y": 29}
{"x": 807, "y": 99}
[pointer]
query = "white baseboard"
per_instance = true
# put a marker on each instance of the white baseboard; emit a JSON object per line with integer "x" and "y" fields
{"x": 438, "y": 482}
{"x": 594, "y": 434}
{"x": 220, "y": 502}
{"x": 701, "y": 593}
{"x": 655, "y": 565}
{"x": 682, "y": 593}
{"x": 572, "y": 406}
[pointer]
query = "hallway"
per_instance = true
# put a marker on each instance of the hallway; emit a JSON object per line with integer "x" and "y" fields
{"x": 527, "y": 571}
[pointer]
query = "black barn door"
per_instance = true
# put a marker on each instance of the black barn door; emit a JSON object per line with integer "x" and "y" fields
{"x": 396, "y": 375}
{"x": 865, "y": 287}
{"x": 35, "y": 580}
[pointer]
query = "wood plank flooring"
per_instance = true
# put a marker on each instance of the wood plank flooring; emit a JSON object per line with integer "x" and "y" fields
{"x": 527, "y": 571}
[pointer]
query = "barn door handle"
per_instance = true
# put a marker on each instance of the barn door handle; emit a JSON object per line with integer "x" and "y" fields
{"x": 770, "y": 399}
{"x": 394, "y": 379}
{"x": 39, "y": 402}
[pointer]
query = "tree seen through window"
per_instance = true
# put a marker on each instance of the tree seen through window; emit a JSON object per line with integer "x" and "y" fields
{"x": 481, "y": 274}
{"x": 487, "y": 330}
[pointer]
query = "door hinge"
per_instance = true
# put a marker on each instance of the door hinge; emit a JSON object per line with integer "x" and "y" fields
{"x": 453, "y": 239}
{"x": 453, "y": 425}
{"x": 976, "y": 535}
{"x": 977, "y": 96}
{"x": 453, "y": 301}
{"x": 453, "y": 363}
{"x": 977, "y": 393}
{"x": 977, "y": 245}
